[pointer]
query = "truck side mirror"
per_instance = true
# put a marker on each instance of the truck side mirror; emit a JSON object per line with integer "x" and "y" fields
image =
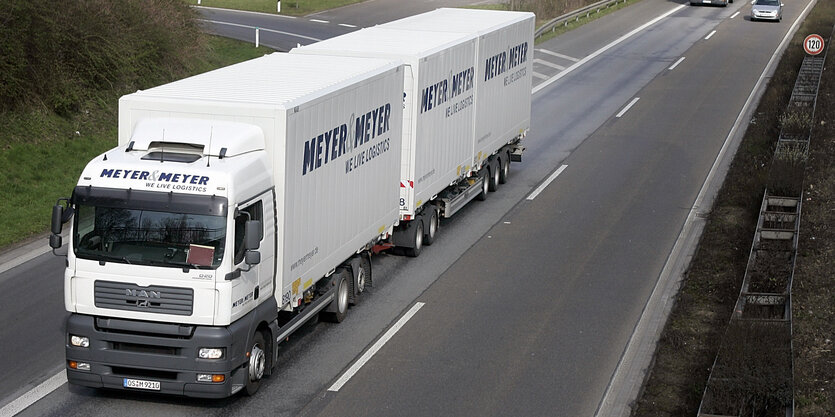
{"x": 60, "y": 215}
{"x": 252, "y": 257}
{"x": 253, "y": 234}
{"x": 57, "y": 219}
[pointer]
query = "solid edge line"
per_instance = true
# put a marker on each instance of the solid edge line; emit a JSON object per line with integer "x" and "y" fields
{"x": 674, "y": 264}
{"x": 355, "y": 367}
{"x": 547, "y": 182}
{"x": 259, "y": 28}
{"x": 628, "y": 106}
{"x": 596, "y": 53}
{"x": 710, "y": 35}
{"x": 34, "y": 395}
{"x": 672, "y": 67}
{"x": 37, "y": 250}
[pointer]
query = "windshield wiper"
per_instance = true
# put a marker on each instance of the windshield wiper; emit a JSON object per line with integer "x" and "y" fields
{"x": 102, "y": 257}
{"x": 185, "y": 265}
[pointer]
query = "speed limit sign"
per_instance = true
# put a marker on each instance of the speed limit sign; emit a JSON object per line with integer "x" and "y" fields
{"x": 813, "y": 44}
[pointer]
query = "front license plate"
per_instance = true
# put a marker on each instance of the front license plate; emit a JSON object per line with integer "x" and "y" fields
{"x": 141, "y": 384}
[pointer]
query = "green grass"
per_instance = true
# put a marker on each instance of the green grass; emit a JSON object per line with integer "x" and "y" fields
{"x": 42, "y": 154}
{"x": 288, "y": 7}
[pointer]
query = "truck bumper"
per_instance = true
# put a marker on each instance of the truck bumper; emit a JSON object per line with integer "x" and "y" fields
{"x": 167, "y": 354}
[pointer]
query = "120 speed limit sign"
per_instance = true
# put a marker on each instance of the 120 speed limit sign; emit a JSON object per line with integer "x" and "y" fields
{"x": 813, "y": 44}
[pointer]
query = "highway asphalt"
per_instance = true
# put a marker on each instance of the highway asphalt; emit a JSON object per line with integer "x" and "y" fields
{"x": 529, "y": 304}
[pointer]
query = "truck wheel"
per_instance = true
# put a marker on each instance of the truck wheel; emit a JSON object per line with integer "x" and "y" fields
{"x": 417, "y": 236}
{"x": 504, "y": 172}
{"x": 432, "y": 230}
{"x": 340, "y": 302}
{"x": 366, "y": 266}
{"x": 257, "y": 363}
{"x": 359, "y": 284}
{"x": 494, "y": 176}
{"x": 485, "y": 186}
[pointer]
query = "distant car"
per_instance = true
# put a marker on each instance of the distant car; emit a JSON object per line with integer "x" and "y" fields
{"x": 767, "y": 10}
{"x": 722, "y": 3}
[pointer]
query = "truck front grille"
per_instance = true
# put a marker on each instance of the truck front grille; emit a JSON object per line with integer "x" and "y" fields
{"x": 151, "y": 299}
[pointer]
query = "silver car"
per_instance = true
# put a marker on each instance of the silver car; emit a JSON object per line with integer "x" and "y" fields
{"x": 767, "y": 10}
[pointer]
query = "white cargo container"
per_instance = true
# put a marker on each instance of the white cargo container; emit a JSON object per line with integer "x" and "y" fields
{"x": 504, "y": 66}
{"x": 438, "y": 103}
{"x": 467, "y": 92}
{"x": 239, "y": 203}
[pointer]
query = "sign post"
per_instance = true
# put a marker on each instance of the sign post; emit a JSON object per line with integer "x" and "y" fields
{"x": 813, "y": 44}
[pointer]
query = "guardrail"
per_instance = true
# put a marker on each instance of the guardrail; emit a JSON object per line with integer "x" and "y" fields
{"x": 575, "y": 15}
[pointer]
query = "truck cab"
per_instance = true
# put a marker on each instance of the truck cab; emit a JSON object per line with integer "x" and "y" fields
{"x": 170, "y": 260}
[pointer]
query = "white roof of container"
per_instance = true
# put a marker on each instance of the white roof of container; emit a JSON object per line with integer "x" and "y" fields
{"x": 389, "y": 42}
{"x": 459, "y": 20}
{"x": 278, "y": 79}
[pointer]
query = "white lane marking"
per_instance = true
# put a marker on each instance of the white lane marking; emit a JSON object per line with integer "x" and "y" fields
{"x": 672, "y": 67}
{"x": 558, "y": 55}
{"x": 596, "y": 53}
{"x": 347, "y": 25}
{"x": 549, "y": 64}
{"x": 540, "y": 76}
{"x": 245, "y": 12}
{"x": 319, "y": 21}
{"x": 262, "y": 29}
{"x": 710, "y": 35}
{"x": 35, "y": 394}
{"x": 628, "y": 106}
{"x": 735, "y": 15}
{"x": 374, "y": 348}
{"x": 548, "y": 181}
{"x": 623, "y": 389}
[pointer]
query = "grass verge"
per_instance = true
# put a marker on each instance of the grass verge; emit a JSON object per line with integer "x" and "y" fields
{"x": 288, "y": 7}
{"x": 42, "y": 153}
{"x": 693, "y": 333}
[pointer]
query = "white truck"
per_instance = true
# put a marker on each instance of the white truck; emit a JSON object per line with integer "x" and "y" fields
{"x": 467, "y": 101}
{"x": 239, "y": 204}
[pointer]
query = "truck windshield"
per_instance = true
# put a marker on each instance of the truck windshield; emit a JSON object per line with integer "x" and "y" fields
{"x": 139, "y": 234}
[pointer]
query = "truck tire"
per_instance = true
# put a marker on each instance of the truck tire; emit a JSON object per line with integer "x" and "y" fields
{"x": 417, "y": 239}
{"x": 504, "y": 172}
{"x": 340, "y": 302}
{"x": 257, "y": 363}
{"x": 494, "y": 176}
{"x": 359, "y": 282}
{"x": 432, "y": 229}
{"x": 484, "y": 185}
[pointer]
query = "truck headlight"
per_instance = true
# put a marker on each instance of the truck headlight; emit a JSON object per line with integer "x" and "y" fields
{"x": 79, "y": 341}
{"x": 210, "y": 353}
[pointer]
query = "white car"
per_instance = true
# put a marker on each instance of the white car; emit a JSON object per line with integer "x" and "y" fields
{"x": 767, "y": 10}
